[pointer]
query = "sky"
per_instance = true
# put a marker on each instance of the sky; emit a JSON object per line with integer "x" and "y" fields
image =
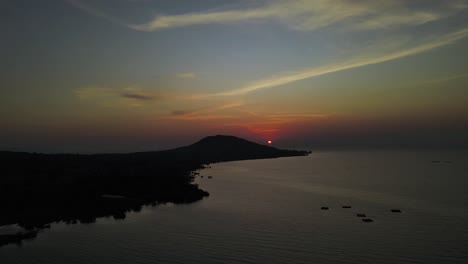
{"x": 89, "y": 76}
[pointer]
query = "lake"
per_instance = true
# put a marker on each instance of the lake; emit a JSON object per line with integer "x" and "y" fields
{"x": 269, "y": 211}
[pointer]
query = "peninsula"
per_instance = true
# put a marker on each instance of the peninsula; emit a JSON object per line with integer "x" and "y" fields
{"x": 39, "y": 189}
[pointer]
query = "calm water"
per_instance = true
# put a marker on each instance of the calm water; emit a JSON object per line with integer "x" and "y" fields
{"x": 268, "y": 211}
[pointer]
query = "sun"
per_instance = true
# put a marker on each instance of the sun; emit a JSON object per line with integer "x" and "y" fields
{"x": 269, "y": 142}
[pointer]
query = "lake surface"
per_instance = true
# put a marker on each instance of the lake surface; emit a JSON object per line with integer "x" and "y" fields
{"x": 268, "y": 211}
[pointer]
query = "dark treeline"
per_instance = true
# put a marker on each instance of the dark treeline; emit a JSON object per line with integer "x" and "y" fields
{"x": 39, "y": 189}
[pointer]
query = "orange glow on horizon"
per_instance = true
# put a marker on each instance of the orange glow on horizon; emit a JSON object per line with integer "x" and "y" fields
{"x": 269, "y": 142}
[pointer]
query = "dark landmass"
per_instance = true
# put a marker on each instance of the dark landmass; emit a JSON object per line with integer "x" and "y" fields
{"x": 39, "y": 189}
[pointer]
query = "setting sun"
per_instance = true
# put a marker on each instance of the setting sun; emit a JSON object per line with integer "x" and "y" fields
{"x": 269, "y": 142}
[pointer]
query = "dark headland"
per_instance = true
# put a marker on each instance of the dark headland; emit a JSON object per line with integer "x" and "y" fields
{"x": 39, "y": 189}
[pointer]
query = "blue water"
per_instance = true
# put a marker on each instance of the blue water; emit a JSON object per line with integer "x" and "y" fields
{"x": 268, "y": 211}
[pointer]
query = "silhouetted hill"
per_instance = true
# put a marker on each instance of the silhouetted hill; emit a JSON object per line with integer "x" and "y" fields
{"x": 37, "y": 189}
{"x": 228, "y": 148}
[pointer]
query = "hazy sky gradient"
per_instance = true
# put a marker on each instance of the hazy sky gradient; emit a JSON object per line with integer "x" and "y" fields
{"x": 130, "y": 75}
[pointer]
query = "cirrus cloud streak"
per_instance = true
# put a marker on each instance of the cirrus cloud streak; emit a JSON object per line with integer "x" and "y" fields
{"x": 314, "y": 14}
{"x": 359, "y": 61}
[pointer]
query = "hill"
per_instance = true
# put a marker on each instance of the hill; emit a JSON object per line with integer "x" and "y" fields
{"x": 227, "y": 148}
{"x": 219, "y": 148}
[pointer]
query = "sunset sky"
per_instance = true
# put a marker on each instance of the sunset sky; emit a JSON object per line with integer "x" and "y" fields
{"x": 132, "y": 75}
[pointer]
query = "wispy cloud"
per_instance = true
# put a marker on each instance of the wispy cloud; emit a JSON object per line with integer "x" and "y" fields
{"x": 237, "y": 115}
{"x": 128, "y": 96}
{"x": 205, "y": 112}
{"x": 171, "y": 21}
{"x": 359, "y": 61}
{"x": 311, "y": 15}
{"x": 137, "y": 96}
{"x": 269, "y": 124}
